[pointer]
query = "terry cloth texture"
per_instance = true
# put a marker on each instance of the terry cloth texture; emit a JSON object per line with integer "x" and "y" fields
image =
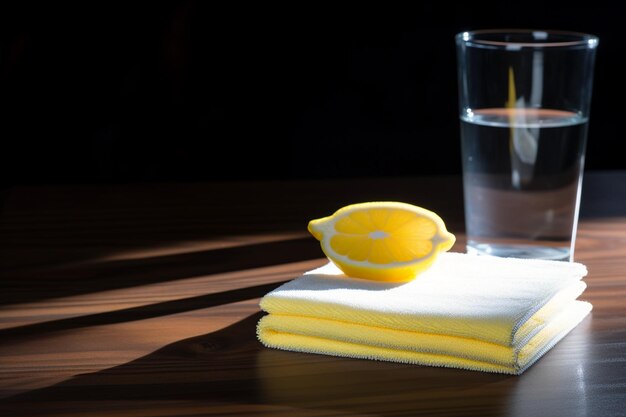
{"x": 467, "y": 311}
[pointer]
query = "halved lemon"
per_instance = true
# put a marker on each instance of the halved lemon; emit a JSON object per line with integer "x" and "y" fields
{"x": 382, "y": 240}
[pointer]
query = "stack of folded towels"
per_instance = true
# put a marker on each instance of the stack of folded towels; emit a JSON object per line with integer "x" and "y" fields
{"x": 467, "y": 311}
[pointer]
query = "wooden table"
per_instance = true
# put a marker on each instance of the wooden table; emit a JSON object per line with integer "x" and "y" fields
{"x": 142, "y": 300}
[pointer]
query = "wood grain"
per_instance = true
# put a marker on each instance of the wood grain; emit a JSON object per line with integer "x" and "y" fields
{"x": 142, "y": 300}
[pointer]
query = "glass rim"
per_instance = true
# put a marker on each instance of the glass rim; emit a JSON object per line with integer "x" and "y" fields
{"x": 537, "y": 38}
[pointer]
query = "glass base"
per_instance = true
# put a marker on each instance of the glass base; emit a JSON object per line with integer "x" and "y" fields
{"x": 519, "y": 251}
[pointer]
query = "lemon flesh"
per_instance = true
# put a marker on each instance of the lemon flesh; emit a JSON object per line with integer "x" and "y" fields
{"x": 385, "y": 241}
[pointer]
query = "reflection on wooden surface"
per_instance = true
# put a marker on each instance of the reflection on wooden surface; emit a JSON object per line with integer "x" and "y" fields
{"x": 126, "y": 329}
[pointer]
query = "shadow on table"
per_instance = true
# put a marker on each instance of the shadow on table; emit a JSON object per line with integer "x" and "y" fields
{"x": 231, "y": 367}
{"x": 142, "y": 312}
{"x": 56, "y": 240}
{"x": 19, "y": 287}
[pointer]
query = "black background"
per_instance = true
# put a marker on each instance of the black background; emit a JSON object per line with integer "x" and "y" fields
{"x": 101, "y": 92}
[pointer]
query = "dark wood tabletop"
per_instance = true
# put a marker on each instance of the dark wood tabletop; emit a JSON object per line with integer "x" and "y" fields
{"x": 142, "y": 300}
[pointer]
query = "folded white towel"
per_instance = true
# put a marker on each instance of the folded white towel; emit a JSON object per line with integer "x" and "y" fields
{"x": 476, "y": 303}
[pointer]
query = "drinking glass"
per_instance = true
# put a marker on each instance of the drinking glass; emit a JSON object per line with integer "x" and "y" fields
{"x": 524, "y": 100}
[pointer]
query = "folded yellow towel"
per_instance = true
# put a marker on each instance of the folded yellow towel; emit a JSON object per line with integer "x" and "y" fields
{"x": 473, "y": 312}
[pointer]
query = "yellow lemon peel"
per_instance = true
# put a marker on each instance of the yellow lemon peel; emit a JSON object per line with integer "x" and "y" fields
{"x": 382, "y": 240}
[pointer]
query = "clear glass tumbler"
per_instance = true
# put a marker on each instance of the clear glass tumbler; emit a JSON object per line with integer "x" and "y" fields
{"x": 524, "y": 99}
